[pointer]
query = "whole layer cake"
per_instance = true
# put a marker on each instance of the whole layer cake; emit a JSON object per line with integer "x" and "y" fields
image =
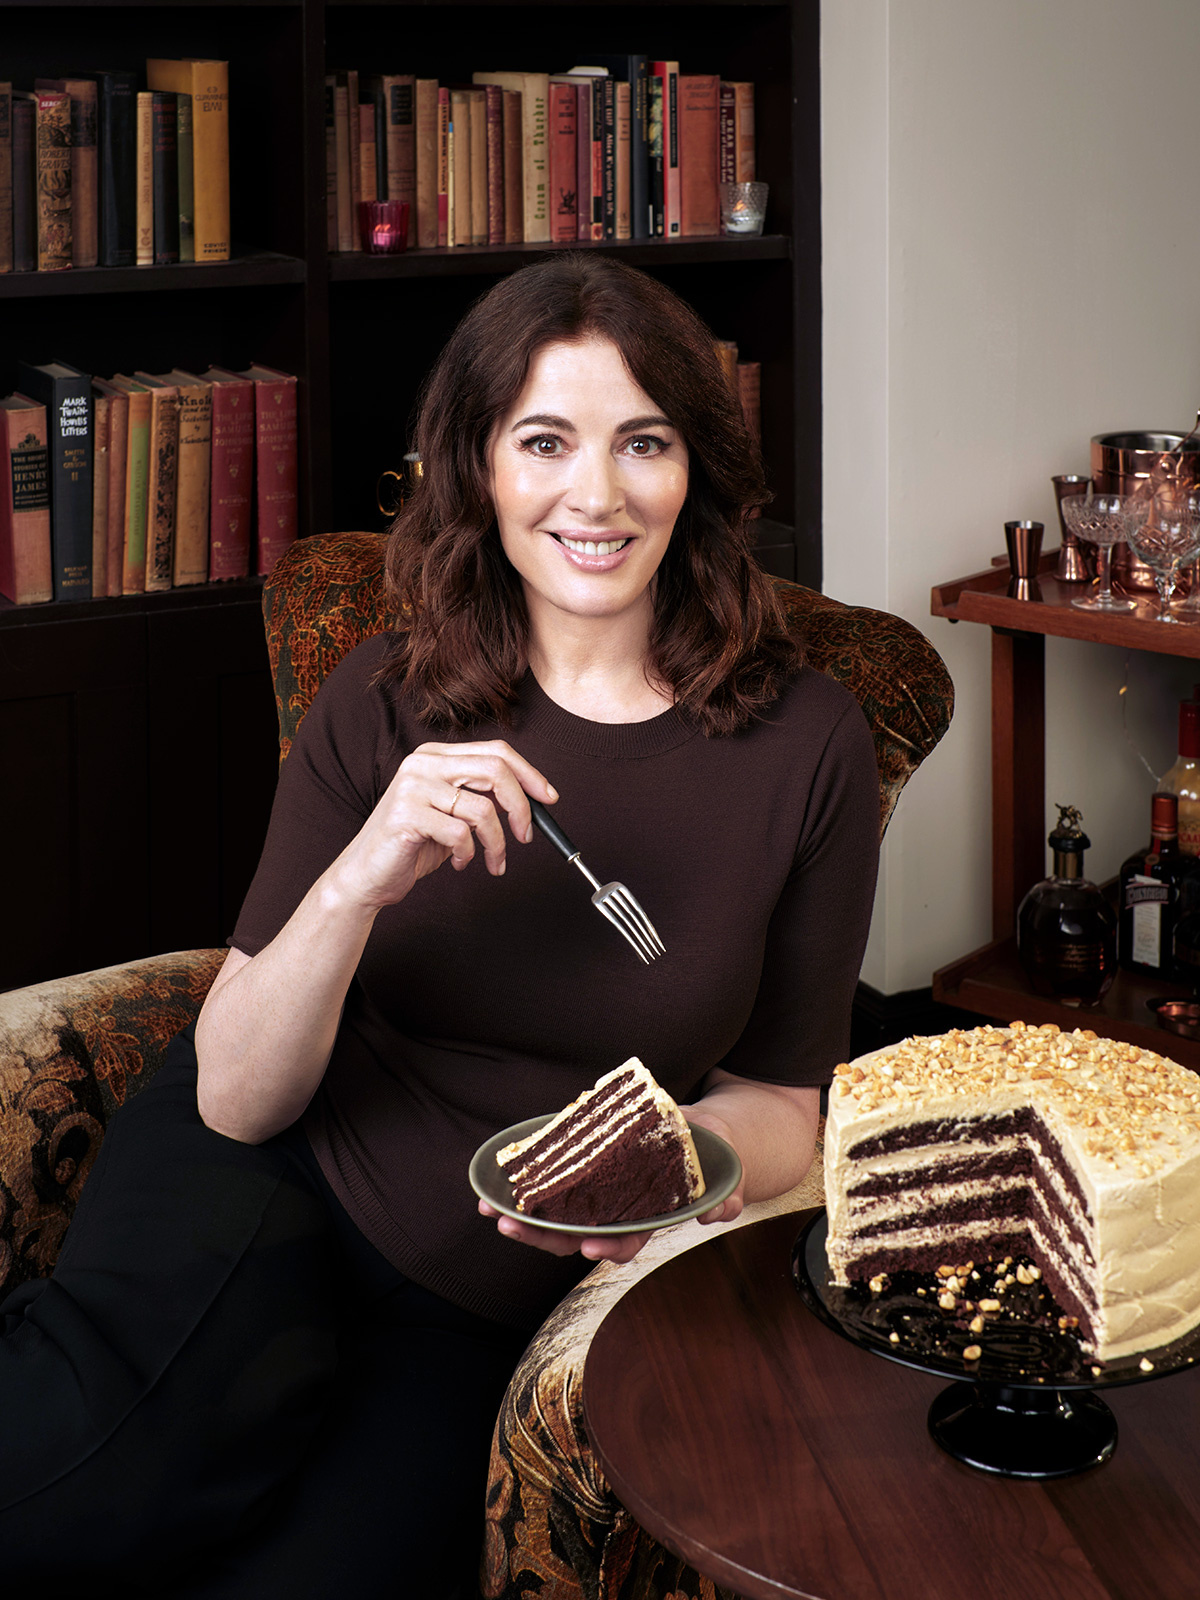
{"x": 620, "y": 1152}
{"x": 1080, "y": 1153}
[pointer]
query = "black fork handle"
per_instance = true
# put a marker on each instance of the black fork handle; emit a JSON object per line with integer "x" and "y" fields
{"x": 544, "y": 821}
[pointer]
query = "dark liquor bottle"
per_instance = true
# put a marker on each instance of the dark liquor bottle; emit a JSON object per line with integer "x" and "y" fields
{"x": 1151, "y": 888}
{"x": 1066, "y": 929}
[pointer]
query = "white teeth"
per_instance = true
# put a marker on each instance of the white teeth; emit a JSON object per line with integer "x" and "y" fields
{"x": 587, "y": 547}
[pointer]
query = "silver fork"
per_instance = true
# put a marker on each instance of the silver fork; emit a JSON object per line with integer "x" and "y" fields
{"x": 612, "y": 900}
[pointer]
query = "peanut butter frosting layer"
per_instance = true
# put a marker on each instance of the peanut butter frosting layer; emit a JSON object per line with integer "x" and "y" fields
{"x": 1107, "y": 1133}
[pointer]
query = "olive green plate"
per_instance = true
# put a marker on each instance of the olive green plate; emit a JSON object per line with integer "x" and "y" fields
{"x": 718, "y": 1162}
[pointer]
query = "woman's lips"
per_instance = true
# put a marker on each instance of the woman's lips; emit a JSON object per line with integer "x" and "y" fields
{"x": 594, "y": 555}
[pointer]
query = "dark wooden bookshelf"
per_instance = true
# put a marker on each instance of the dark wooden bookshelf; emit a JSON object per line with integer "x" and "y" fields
{"x": 187, "y": 701}
{"x": 991, "y": 981}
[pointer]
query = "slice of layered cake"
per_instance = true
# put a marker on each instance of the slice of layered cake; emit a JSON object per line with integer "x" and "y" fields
{"x": 1080, "y": 1154}
{"x": 619, "y": 1152}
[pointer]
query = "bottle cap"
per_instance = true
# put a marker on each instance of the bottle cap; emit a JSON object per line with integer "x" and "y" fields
{"x": 1189, "y": 729}
{"x": 1164, "y": 816}
{"x": 1068, "y": 835}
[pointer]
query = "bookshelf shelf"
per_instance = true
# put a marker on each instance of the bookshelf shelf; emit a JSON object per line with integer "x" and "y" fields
{"x": 469, "y": 260}
{"x": 260, "y": 269}
{"x": 138, "y": 733}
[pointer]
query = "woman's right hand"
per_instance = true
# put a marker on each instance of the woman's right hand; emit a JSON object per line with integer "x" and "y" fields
{"x": 444, "y": 802}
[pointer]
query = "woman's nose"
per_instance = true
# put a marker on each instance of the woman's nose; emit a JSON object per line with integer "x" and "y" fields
{"x": 595, "y": 490}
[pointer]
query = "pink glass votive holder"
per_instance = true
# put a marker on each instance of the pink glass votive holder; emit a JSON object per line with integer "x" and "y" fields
{"x": 383, "y": 225}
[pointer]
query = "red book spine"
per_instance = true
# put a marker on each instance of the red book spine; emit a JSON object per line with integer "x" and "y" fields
{"x": 232, "y": 472}
{"x": 699, "y": 118}
{"x": 26, "y": 570}
{"x": 443, "y": 168}
{"x": 495, "y": 162}
{"x": 275, "y": 437}
{"x": 563, "y": 159}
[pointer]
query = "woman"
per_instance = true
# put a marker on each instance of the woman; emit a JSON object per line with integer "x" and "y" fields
{"x": 586, "y": 628}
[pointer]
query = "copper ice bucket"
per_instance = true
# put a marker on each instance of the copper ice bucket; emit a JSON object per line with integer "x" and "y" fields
{"x": 1120, "y": 461}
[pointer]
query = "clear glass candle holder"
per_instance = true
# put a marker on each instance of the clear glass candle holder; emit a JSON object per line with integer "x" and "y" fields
{"x": 383, "y": 226}
{"x": 743, "y": 208}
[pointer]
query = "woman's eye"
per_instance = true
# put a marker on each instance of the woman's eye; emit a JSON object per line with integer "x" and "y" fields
{"x": 542, "y": 444}
{"x": 645, "y": 445}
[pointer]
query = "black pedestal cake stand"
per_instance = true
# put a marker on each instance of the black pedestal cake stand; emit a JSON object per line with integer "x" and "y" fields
{"x": 1027, "y": 1407}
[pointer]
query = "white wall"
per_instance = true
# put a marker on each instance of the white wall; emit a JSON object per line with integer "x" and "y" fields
{"x": 1011, "y": 265}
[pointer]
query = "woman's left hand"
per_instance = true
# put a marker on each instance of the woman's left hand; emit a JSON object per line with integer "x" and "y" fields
{"x": 601, "y": 1247}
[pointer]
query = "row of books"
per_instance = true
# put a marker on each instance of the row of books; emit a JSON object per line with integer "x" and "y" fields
{"x": 626, "y": 148}
{"x": 95, "y": 171}
{"x": 142, "y": 483}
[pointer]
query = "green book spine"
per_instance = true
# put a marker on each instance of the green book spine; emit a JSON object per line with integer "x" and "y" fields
{"x": 137, "y": 491}
{"x": 187, "y": 212}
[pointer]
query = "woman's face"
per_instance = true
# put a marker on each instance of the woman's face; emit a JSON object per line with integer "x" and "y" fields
{"x": 587, "y": 479}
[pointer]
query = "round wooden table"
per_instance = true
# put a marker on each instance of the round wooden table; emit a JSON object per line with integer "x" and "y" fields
{"x": 782, "y": 1461}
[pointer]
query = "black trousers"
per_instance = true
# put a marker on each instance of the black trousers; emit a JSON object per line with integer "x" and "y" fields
{"x": 226, "y": 1393}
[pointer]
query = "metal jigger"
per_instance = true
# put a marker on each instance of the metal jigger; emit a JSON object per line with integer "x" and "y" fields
{"x": 1024, "y": 541}
{"x": 1072, "y": 562}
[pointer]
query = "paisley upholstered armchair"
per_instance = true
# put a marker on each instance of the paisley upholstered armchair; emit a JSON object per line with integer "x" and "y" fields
{"x": 73, "y": 1050}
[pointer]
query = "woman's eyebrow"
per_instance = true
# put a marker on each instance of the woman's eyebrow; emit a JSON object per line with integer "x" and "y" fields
{"x": 637, "y": 423}
{"x": 544, "y": 420}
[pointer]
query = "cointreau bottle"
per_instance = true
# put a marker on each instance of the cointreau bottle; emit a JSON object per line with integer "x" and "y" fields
{"x": 1066, "y": 929}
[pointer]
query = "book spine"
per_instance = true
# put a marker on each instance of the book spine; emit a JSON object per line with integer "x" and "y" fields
{"x": 368, "y": 179}
{"x": 564, "y": 156}
{"x": 608, "y": 94}
{"x": 514, "y": 175}
{"x": 101, "y": 437}
{"x": 535, "y": 156}
{"x": 137, "y": 482}
{"x": 162, "y": 488}
{"x": 275, "y": 420}
{"x": 460, "y": 168}
{"x": 117, "y": 142}
{"x": 164, "y": 161}
{"x": 85, "y": 174}
{"x": 186, "y": 180}
{"x": 355, "y": 167}
{"x": 341, "y": 99}
{"x": 479, "y": 167}
{"x": 623, "y": 217}
{"x": 26, "y": 571}
{"x": 426, "y": 123}
{"x": 118, "y": 463}
{"x": 232, "y": 476}
{"x": 746, "y": 143}
{"x": 583, "y": 159}
{"x": 53, "y": 138}
{"x": 654, "y": 147}
{"x": 700, "y": 212}
{"x": 6, "y": 179}
{"x": 494, "y": 115}
{"x": 208, "y": 84}
{"x": 24, "y": 210}
{"x": 668, "y": 73}
{"x": 400, "y": 93}
{"x": 727, "y": 165}
{"x": 443, "y": 168}
{"x": 331, "y": 169}
{"x": 191, "y": 506}
{"x": 639, "y": 148}
{"x": 380, "y": 131}
{"x": 145, "y": 180}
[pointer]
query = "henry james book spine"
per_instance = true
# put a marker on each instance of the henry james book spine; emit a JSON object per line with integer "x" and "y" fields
{"x": 165, "y": 178}
{"x": 66, "y": 395}
{"x": 116, "y": 135}
{"x": 230, "y": 495}
{"x": 26, "y": 574}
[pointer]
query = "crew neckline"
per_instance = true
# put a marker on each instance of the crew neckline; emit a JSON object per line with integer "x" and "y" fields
{"x": 545, "y": 717}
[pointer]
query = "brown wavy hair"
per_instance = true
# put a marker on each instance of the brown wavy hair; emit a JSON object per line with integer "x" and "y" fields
{"x": 718, "y": 639}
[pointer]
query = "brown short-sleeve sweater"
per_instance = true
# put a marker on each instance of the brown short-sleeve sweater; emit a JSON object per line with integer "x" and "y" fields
{"x": 480, "y": 1001}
